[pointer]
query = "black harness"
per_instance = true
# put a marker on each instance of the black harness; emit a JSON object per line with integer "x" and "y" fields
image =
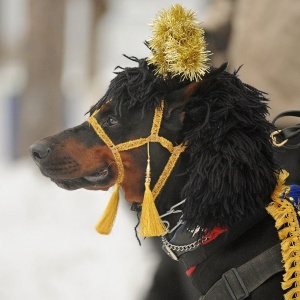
{"x": 237, "y": 283}
{"x": 282, "y": 137}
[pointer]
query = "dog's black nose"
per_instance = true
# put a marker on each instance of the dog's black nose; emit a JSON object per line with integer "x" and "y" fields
{"x": 39, "y": 151}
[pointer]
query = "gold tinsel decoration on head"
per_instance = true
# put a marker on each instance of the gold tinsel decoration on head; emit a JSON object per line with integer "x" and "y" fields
{"x": 178, "y": 44}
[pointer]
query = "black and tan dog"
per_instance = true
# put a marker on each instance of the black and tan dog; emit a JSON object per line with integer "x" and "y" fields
{"x": 213, "y": 173}
{"x": 227, "y": 173}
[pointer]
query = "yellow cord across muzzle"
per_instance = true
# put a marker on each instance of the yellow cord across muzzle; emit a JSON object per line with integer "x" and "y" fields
{"x": 151, "y": 224}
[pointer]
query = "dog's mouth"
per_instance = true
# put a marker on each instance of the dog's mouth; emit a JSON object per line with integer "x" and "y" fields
{"x": 101, "y": 179}
{"x": 97, "y": 177}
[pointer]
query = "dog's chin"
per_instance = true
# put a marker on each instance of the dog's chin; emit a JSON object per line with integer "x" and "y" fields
{"x": 80, "y": 183}
{"x": 100, "y": 180}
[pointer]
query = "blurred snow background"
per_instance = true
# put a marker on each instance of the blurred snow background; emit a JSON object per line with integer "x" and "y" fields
{"x": 49, "y": 249}
{"x": 48, "y": 246}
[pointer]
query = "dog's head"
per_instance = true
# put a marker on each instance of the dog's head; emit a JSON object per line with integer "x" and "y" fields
{"x": 79, "y": 158}
{"x": 227, "y": 172}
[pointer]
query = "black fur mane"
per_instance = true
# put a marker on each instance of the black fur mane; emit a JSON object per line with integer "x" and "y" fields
{"x": 232, "y": 172}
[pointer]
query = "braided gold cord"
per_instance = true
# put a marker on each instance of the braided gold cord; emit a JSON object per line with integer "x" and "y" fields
{"x": 132, "y": 144}
{"x": 153, "y": 137}
{"x": 98, "y": 129}
{"x": 157, "y": 118}
{"x": 167, "y": 170}
{"x": 158, "y": 114}
{"x": 142, "y": 141}
{"x": 166, "y": 144}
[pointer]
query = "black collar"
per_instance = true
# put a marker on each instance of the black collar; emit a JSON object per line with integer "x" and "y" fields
{"x": 186, "y": 247}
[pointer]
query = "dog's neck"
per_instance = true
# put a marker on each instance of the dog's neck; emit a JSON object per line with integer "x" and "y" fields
{"x": 170, "y": 200}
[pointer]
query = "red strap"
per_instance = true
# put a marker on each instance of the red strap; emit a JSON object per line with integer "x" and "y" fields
{"x": 190, "y": 271}
{"x": 213, "y": 234}
{"x": 210, "y": 237}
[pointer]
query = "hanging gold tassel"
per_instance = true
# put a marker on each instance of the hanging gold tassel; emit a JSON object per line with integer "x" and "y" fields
{"x": 106, "y": 222}
{"x": 151, "y": 224}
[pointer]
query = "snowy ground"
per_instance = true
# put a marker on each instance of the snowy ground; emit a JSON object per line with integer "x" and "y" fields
{"x": 50, "y": 250}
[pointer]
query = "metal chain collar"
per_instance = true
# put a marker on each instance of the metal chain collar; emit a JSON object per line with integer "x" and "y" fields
{"x": 180, "y": 248}
{"x": 183, "y": 248}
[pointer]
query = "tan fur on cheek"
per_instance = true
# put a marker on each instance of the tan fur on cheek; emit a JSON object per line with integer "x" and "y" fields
{"x": 89, "y": 159}
{"x": 86, "y": 159}
{"x": 133, "y": 183}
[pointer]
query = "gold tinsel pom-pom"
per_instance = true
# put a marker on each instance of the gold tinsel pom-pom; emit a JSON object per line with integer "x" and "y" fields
{"x": 178, "y": 44}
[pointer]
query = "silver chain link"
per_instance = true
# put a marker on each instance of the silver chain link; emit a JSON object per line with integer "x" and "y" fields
{"x": 183, "y": 248}
{"x": 180, "y": 248}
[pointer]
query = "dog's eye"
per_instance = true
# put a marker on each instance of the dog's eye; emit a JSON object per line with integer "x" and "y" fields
{"x": 110, "y": 122}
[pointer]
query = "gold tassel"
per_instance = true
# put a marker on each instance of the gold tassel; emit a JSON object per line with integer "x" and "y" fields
{"x": 106, "y": 222}
{"x": 151, "y": 224}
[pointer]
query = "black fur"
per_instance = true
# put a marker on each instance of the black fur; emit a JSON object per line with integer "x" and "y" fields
{"x": 231, "y": 171}
{"x": 138, "y": 86}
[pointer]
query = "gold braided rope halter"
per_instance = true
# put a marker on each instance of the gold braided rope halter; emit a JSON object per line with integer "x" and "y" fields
{"x": 151, "y": 224}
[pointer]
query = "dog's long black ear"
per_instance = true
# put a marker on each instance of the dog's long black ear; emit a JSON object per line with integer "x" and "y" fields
{"x": 216, "y": 72}
{"x": 232, "y": 171}
{"x": 178, "y": 98}
{"x": 174, "y": 113}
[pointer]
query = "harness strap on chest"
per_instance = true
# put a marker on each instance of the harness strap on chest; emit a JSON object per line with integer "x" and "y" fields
{"x": 199, "y": 255}
{"x": 237, "y": 284}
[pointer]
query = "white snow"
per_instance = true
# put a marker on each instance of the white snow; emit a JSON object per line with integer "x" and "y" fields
{"x": 50, "y": 250}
